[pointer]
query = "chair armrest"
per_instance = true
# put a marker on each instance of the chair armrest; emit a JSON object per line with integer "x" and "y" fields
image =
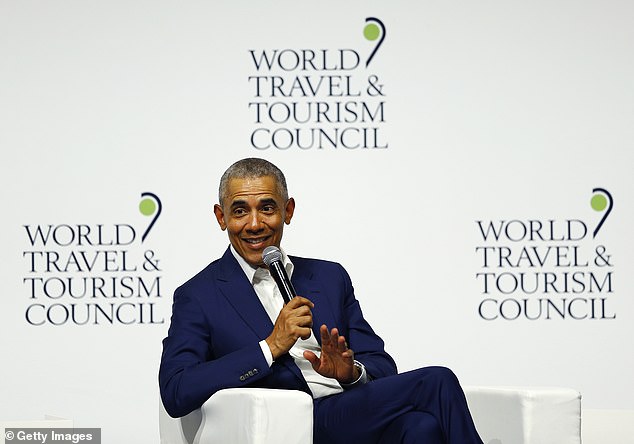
{"x": 526, "y": 415}
{"x": 244, "y": 415}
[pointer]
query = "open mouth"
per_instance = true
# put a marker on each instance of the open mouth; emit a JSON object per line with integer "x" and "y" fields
{"x": 256, "y": 241}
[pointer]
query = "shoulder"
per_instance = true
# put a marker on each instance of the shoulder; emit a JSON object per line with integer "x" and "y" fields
{"x": 201, "y": 280}
{"x": 319, "y": 267}
{"x": 311, "y": 263}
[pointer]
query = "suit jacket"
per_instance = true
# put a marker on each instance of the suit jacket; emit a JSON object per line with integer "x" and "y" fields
{"x": 218, "y": 321}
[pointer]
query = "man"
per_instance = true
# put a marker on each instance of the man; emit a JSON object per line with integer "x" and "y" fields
{"x": 231, "y": 328}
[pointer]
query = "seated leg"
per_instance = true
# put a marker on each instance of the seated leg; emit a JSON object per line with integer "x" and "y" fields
{"x": 362, "y": 414}
{"x": 413, "y": 428}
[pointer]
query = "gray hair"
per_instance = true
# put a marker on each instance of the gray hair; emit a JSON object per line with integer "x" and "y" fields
{"x": 250, "y": 168}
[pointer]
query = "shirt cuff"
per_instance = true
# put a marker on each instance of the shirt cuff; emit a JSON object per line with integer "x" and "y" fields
{"x": 266, "y": 351}
{"x": 362, "y": 379}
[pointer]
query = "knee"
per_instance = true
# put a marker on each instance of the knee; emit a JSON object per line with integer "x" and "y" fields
{"x": 442, "y": 378}
{"x": 446, "y": 373}
{"x": 441, "y": 374}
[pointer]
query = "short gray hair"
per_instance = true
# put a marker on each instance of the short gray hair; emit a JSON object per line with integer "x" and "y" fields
{"x": 250, "y": 168}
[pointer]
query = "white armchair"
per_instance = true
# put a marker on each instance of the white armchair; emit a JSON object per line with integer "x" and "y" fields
{"x": 526, "y": 415}
{"x": 509, "y": 415}
{"x": 243, "y": 416}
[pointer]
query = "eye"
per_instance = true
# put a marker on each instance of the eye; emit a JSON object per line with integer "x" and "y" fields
{"x": 268, "y": 208}
{"x": 239, "y": 211}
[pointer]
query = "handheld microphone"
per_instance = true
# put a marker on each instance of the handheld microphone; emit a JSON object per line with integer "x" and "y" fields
{"x": 272, "y": 257}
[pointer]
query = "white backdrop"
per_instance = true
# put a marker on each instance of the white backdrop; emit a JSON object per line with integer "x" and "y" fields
{"x": 491, "y": 111}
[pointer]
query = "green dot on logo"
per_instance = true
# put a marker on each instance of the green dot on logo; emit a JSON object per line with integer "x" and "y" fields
{"x": 599, "y": 202}
{"x": 147, "y": 207}
{"x": 371, "y": 31}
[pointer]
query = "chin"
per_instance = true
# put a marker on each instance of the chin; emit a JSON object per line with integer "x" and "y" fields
{"x": 254, "y": 260}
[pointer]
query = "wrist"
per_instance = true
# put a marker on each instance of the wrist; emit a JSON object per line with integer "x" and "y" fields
{"x": 357, "y": 370}
{"x": 266, "y": 351}
{"x": 275, "y": 351}
{"x": 360, "y": 376}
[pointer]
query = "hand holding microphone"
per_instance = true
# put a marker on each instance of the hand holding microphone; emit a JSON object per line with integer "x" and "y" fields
{"x": 295, "y": 320}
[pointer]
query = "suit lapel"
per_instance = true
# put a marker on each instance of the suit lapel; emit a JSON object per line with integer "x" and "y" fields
{"x": 311, "y": 289}
{"x": 239, "y": 292}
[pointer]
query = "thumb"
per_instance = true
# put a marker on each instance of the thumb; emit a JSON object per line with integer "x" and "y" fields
{"x": 312, "y": 358}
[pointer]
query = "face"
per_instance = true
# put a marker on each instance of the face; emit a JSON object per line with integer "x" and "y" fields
{"x": 254, "y": 214}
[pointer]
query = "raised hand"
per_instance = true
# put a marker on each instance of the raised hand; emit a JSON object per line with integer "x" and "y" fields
{"x": 336, "y": 360}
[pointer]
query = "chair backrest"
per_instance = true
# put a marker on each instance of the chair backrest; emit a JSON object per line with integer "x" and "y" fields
{"x": 526, "y": 415}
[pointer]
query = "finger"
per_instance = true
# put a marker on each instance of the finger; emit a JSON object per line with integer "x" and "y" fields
{"x": 304, "y": 321}
{"x": 342, "y": 345}
{"x": 302, "y": 311}
{"x": 334, "y": 337}
{"x": 304, "y": 333}
{"x": 298, "y": 301}
{"x": 292, "y": 304}
{"x": 297, "y": 331}
{"x": 312, "y": 358}
{"x": 293, "y": 308}
{"x": 325, "y": 337}
{"x": 292, "y": 324}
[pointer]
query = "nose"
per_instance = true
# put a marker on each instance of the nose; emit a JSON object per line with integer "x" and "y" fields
{"x": 255, "y": 223}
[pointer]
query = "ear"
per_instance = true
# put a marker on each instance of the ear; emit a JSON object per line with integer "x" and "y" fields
{"x": 220, "y": 217}
{"x": 289, "y": 210}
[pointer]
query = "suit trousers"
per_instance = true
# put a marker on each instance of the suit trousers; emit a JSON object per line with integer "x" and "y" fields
{"x": 425, "y": 406}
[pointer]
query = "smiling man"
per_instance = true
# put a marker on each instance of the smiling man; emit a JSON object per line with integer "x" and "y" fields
{"x": 256, "y": 211}
{"x": 231, "y": 328}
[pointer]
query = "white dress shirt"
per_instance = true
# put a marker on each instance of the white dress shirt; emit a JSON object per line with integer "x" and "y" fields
{"x": 272, "y": 300}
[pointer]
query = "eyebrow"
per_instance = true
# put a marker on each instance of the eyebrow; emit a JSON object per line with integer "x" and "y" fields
{"x": 266, "y": 201}
{"x": 238, "y": 203}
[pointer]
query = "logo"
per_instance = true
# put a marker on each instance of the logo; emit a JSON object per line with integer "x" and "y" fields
{"x": 311, "y": 98}
{"x": 150, "y": 206}
{"x": 545, "y": 269}
{"x": 374, "y": 30}
{"x": 601, "y": 201}
{"x": 92, "y": 274}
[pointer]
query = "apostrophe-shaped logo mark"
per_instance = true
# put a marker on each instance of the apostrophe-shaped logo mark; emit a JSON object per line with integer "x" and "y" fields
{"x": 150, "y": 205}
{"x": 374, "y": 30}
{"x": 601, "y": 201}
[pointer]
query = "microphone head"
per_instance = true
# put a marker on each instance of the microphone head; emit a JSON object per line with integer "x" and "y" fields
{"x": 271, "y": 254}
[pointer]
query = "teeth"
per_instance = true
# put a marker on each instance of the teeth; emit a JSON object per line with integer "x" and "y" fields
{"x": 254, "y": 241}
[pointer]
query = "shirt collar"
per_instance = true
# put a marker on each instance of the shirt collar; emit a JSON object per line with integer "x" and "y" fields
{"x": 250, "y": 271}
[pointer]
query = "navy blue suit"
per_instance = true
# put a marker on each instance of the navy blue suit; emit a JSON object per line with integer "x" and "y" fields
{"x": 213, "y": 343}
